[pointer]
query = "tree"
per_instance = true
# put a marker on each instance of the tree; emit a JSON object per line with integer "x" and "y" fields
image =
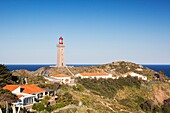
{"x": 38, "y": 107}
{"x": 3, "y": 69}
{"x": 45, "y": 101}
{"x": 6, "y": 77}
{"x": 6, "y": 95}
{"x": 49, "y": 108}
{"x": 161, "y": 75}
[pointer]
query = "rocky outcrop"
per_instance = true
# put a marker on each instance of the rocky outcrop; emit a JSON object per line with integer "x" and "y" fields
{"x": 160, "y": 92}
{"x": 22, "y": 73}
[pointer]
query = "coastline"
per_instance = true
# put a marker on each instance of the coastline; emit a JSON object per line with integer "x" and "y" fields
{"x": 34, "y": 67}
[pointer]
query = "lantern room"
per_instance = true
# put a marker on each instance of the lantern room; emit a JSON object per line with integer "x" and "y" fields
{"x": 60, "y": 40}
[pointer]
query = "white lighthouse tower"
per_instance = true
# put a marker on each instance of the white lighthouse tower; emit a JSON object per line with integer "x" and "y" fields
{"x": 60, "y": 53}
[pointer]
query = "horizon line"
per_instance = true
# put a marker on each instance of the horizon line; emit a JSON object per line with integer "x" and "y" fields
{"x": 79, "y": 63}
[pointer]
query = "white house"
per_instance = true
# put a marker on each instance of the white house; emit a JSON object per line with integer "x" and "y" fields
{"x": 27, "y": 94}
{"x": 24, "y": 100}
{"x": 94, "y": 75}
{"x": 63, "y": 78}
{"x": 133, "y": 74}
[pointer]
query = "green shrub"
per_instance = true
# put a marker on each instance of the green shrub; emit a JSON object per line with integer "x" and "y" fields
{"x": 79, "y": 87}
{"x": 109, "y": 87}
{"x": 149, "y": 107}
{"x": 128, "y": 102}
{"x": 45, "y": 100}
{"x": 66, "y": 97}
{"x": 49, "y": 108}
{"x": 59, "y": 105}
{"x": 165, "y": 109}
{"x": 38, "y": 106}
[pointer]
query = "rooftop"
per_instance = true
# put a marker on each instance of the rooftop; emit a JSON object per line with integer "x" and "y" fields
{"x": 60, "y": 75}
{"x": 94, "y": 74}
{"x": 29, "y": 88}
{"x": 11, "y": 87}
{"x": 125, "y": 74}
{"x": 19, "y": 96}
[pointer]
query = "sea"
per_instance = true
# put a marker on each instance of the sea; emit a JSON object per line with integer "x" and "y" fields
{"x": 34, "y": 67}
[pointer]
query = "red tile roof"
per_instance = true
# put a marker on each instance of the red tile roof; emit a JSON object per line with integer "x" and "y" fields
{"x": 11, "y": 87}
{"x": 19, "y": 96}
{"x": 29, "y": 89}
{"x": 93, "y": 74}
{"x": 60, "y": 75}
{"x": 125, "y": 74}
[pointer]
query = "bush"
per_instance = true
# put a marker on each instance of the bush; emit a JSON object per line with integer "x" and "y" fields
{"x": 45, "y": 101}
{"x": 35, "y": 79}
{"x": 66, "y": 97}
{"x": 75, "y": 102}
{"x": 128, "y": 102}
{"x": 38, "y": 107}
{"x": 149, "y": 107}
{"x": 166, "y": 107}
{"x": 109, "y": 87}
{"x": 70, "y": 110}
{"x": 79, "y": 87}
{"x": 49, "y": 108}
{"x": 54, "y": 86}
{"x": 6, "y": 95}
{"x": 59, "y": 105}
{"x": 6, "y": 77}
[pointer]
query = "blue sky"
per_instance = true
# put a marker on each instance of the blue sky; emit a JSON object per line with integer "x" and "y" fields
{"x": 94, "y": 31}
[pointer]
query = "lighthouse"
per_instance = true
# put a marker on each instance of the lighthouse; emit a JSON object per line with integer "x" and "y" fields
{"x": 60, "y": 53}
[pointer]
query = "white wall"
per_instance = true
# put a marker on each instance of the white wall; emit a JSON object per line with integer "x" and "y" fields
{"x": 17, "y": 90}
{"x": 104, "y": 76}
{"x": 137, "y": 75}
{"x": 63, "y": 79}
{"x": 25, "y": 96}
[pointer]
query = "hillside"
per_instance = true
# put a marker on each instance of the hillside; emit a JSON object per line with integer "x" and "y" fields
{"x": 115, "y": 68}
{"x": 128, "y": 96}
{"x": 123, "y": 95}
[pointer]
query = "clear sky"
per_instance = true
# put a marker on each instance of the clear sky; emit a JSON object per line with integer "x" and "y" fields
{"x": 94, "y": 31}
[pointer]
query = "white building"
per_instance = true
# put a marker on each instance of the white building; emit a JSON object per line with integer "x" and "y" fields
{"x": 24, "y": 99}
{"x": 62, "y": 78}
{"x": 27, "y": 94}
{"x": 94, "y": 75}
{"x": 133, "y": 74}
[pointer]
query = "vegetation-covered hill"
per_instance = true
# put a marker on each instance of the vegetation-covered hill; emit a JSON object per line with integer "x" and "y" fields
{"x": 123, "y": 95}
{"x": 115, "y": 68}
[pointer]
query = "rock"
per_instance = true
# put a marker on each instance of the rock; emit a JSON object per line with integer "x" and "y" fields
{"x": 22, "y": 73}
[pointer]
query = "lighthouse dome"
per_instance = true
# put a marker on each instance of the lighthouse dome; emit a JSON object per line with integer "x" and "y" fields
{"x": 60, "y": 40}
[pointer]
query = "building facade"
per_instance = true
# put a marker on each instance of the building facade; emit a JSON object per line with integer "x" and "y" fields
{"x": 94, "y": 75}
{"x": 27, "y": 94}
{"x": 60, "y": 53}
{"x": 62, "y": 78}
{"x": 133, "y": 74}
